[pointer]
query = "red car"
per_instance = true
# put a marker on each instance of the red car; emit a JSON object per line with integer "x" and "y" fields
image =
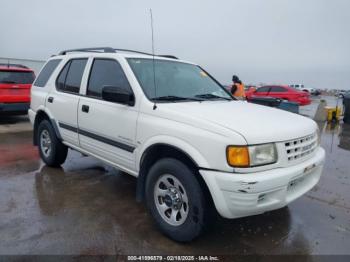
{"x": 15, "y": 84}
{"x": 282, "y": 92}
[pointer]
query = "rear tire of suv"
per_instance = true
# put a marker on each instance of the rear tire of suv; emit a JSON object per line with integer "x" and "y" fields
{"x": 51, "y": 149}
{"x": 176, "y": 200}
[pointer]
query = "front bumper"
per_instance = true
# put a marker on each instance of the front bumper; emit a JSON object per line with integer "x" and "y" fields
{"x": 14, "y": 108}
{"x": 239, "y": 195}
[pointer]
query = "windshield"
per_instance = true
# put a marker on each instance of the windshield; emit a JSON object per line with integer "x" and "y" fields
{"x": 176, "y": 81}
{"x": 16, "y": 77}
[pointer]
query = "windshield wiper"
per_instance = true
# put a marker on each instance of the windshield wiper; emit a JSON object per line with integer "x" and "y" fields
{"x": 175, "y": 98}
{"x": 212, "y": 96}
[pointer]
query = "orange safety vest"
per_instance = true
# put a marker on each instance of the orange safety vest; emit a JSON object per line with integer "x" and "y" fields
{"x": 240, "y": 91}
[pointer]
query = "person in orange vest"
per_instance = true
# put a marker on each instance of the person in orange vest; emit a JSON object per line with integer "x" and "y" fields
{"x": 237, "y": 89}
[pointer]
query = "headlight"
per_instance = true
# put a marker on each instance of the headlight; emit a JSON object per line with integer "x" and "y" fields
{"x": 250, "y": 156}
{"x": 262, "y": 154}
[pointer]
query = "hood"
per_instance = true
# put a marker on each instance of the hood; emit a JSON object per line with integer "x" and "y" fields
{"x": 257, "y": 124}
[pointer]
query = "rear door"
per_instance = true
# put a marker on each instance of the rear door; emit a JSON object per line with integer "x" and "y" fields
{"x": 63, "y": 100}
{"x": 107, "y": 129}
{"x": 15, "y": 86}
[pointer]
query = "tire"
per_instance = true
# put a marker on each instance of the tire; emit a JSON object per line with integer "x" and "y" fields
{"x": 192, "y": 205}
{"x": 51, "y": 149}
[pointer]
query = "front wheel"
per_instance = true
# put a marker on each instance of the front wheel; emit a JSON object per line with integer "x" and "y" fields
{"x": 176, "y": 200}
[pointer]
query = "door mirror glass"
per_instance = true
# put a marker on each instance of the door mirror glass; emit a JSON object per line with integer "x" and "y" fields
{"x": 118, "y": 95}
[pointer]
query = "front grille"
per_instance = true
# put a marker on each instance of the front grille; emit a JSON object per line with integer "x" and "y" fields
{"x": 301, "y": 147}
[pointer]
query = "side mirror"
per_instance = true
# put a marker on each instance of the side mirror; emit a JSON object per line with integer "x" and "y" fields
{"x": 118, "y": 95}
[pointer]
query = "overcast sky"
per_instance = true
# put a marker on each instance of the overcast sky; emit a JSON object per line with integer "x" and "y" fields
{"x": 262, "y": 41}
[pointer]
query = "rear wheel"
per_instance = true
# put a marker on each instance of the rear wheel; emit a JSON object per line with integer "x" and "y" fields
{"x": 51, "y": 149}
{"x": 176, "y": 200}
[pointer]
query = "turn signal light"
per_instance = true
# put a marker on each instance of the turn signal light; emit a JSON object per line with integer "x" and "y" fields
{"x": 238, "y": 156}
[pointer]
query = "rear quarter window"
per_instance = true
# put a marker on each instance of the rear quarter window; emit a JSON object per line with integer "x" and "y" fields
{"x": 46, "y": 72}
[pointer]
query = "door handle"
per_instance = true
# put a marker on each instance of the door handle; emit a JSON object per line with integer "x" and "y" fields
{"x": 85, "y": 108}
{"x": 50, "y": 99}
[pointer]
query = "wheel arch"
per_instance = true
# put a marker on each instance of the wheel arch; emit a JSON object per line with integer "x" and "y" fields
{"x": 40, "y": 116}
{"x": 162, "y": 150}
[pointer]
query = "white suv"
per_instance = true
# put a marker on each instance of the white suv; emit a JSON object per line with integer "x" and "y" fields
{"x": 191, "y": 145}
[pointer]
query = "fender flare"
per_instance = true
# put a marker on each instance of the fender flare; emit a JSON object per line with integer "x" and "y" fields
{"x": 172, "y": 141}
{"x": 178, "y": 144}
{"x": 52, "y": 121}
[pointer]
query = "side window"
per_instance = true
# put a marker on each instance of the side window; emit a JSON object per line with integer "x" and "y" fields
{"x": 75, "y": 74}
{"x": 263, "y": 89}
{"x": 46, "y": 72}
{"x": 278, "y": 89}
{"x": 70, "y": 77}
{"x": 106, "y": 72}
{"x": 62, "y": 78}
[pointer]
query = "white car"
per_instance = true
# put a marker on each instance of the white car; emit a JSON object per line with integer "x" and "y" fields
{"x": 190, "y": 144}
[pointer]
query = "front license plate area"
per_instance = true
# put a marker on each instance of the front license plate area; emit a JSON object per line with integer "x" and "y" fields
{"x": 295, "y": 182}
{"x": 309, "y": 169}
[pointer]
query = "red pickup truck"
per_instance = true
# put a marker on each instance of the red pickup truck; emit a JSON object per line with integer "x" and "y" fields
{"x": 15, "y": 83}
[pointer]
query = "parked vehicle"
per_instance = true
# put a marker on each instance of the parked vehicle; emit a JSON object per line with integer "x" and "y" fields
{"x": 317, "y": 92}
{"x": 310, "y": 90}
{"x": 342, "y": 93}
{"x": 282, "y": 92}
{"x": 191, "y": 145}
{"x": 15, "y": 83}
{"x": 346, "y": 106}
{"x": 298, "y": 86}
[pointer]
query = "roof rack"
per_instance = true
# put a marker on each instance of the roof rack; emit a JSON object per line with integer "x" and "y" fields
{"x": 89, "y": 49}
{"x": 13, "y": 65}
{"x": 144, "y": 53}
{"x": 168, "y": 56}
{"x": 110, "y": 50}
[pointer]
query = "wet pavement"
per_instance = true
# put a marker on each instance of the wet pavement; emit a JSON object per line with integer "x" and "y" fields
{"x": 88, "y": 208}
{"x": 13, "y": 124}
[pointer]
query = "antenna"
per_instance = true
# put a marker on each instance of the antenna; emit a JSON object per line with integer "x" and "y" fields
{"x": 154, "y": 69}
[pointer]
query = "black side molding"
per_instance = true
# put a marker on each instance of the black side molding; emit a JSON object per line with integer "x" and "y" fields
{"x": 107, "y": 141}
{"x": 69, "y": 127}
{"x": 102, "y": 139}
